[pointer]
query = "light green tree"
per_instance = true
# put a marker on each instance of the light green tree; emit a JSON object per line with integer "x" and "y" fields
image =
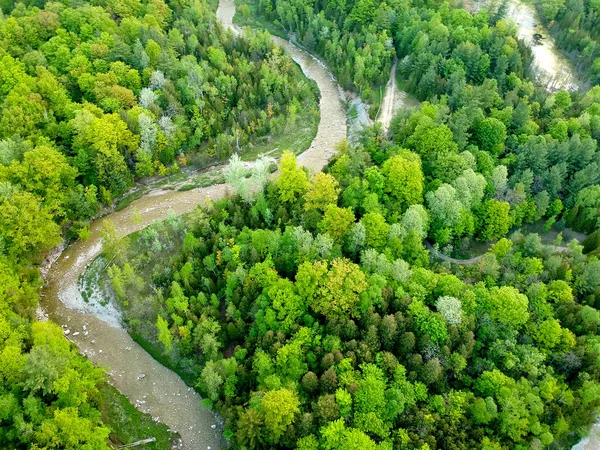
{"x": 164, "y": 334}
{"x": 292, "y": 181}
{"x": 377, "y": 230}
{"x": 336, "y": 221}
{"x": 279, "y": 408}
{"x": 322, "y": 191}
{"x": 404, "y": 180}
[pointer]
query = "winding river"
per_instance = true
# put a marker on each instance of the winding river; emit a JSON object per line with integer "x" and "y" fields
{"x": 97, "y": 331}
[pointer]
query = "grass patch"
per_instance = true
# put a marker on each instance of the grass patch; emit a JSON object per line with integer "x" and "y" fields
{"x": 155, "y": 350}
{"x": 203, "y": 180}
{"x": 129, "y": 425}
{"x": 403, "y": 85}
{"x": 129, "y": 198}
{"x": 187, "y": 187}
{"x": 295, "y": 138}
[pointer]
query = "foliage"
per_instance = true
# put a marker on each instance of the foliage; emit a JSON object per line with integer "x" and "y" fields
{"x": 305, "y": 341}
{"x": 92, "y": 96}
{"x": 99, "y": 94}
{"x": 310, "y": 314}
{"x": 293, "y": 180}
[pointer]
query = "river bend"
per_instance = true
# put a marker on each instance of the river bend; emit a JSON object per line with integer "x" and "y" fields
{"x": 96, "y": 330}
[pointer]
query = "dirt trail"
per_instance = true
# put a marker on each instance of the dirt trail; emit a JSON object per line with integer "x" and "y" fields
{"x": 443, "y": 257}
{"x": 387, "y": 104}
{"x": 436, "y": 253}
{"x": 394, "y": 99}
{"x": 96, "y": 329}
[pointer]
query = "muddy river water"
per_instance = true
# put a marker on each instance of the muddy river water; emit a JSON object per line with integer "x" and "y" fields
{"x": 97, "y": 331}
{"x": 550, "y": 66}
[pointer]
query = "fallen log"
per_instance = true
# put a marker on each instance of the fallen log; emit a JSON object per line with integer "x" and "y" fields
{"x": 142, "y": 442}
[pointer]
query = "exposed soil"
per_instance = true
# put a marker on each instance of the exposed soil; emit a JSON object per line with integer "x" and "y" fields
{"x": 388, "y": 104}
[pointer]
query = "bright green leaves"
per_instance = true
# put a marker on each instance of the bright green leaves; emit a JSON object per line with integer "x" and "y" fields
{"x": 12, "y": 71}
{"x": 164, "y": 334}
{"x": 26, "y": 225}
{"x": 550, "y": 8}
{"x": 45, "y": 173}
{"x": 428, "y": 322}
{"x": 404, "y": 180}
{"x": 177, "y": 303}
{"x": 495, "y": 220}
{"x": 292, "y": 181}
{"x": 337, "y": 221}
{"x": 100, "y": 141}
{"x": 507, "y": 305}
{"x": 322, "y": 191}
{"x": 286, "y": 302}
{"x": 71, "y": 431}
{"x": 332, "y": 291}
{"x": 376, "y": 229}
{"x": 483, "y": 411}
{"x": 219, "y": 377}
{"x": 52, "y": 387}
{"x": 279, "y": 408}
{"x": 491, "y": 135}
{"x": 429, "y": 140}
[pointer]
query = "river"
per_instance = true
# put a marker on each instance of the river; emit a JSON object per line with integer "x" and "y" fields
{"x": 97, "y": 331}
{"x": 332, "y": 127}
{"x": 550, "y": 67}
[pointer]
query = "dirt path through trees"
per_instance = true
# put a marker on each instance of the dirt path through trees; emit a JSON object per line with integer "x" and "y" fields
{"x": 387, "y": 104}
{"x": 439, "y": 255}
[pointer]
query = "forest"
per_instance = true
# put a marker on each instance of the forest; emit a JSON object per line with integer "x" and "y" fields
{"x": 311, "y": 322}
{"x": 311, "y": 310}
{"x": 93, "y": 96}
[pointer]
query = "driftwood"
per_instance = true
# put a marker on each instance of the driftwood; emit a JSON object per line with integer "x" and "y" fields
{"x": 537, "y": 39}
{"x": 142, "y": 442}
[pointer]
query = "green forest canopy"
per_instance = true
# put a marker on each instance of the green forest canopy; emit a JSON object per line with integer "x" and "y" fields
{"x": 92, "y": 96}
{"x": 312, "y": 316}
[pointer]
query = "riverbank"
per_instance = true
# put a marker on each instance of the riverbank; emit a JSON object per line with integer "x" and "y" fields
{"x": 97, "y": 330}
